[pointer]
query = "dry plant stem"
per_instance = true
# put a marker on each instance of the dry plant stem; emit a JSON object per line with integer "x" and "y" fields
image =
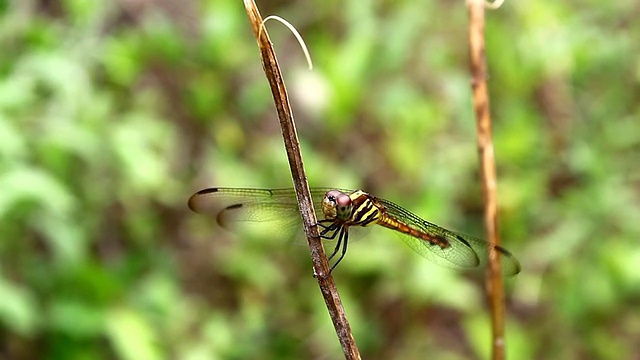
{"x": 478, "y": 67}
{"x": 320, "y": 264}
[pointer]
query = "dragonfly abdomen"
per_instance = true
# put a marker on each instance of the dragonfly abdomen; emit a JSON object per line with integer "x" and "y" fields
{"x": 393, "y": 224}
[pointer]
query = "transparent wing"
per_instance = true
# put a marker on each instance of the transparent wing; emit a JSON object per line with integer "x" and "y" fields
{"x": 270, "y": 213}
{"x": 463, "y": 251}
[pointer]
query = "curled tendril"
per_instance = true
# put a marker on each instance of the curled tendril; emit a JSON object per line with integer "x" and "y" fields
{"x": 493, "y": 5}
{"x": 295, "y": 33}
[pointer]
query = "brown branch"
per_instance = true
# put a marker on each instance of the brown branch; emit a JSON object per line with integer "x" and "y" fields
{"x": 478, "y": 68}
{"x": 292, "y": 145}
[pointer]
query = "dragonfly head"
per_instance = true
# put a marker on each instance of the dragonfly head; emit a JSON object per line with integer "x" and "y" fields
{"x": 337, "y": 205}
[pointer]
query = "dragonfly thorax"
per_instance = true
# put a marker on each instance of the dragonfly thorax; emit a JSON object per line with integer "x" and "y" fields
{"x": 337, "y": 205}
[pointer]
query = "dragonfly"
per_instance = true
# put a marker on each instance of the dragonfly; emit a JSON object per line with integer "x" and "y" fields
{"x": 340, "y": 210}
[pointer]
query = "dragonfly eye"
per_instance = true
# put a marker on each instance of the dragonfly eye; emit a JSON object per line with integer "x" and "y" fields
{"x": 344, "y": 206}
{"x": 336, "y": 205}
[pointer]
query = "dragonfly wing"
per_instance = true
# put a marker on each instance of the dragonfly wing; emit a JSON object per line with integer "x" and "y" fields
{"x": 231, "y": 205}
{"x": 265, "y": 212}
{"x": 462, "y": 251}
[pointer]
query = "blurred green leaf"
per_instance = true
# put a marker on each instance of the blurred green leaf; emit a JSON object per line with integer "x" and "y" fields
{"x": 132, "y": 336}
{"x": 18, "y": 308}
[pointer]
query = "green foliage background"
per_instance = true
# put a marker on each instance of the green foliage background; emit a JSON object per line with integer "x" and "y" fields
{"x": 113, "y": 113}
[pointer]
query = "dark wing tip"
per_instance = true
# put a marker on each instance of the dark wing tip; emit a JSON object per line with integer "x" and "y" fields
{"x": 192, "y": 203}
{"x": 511, "y": 267}
{"x": 463, "y": 240}
{"x": 221, "y": 217}
{"x": 207, "y": 191}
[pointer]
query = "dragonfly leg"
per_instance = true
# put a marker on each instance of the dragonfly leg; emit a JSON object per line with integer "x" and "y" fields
{"x": 332, "y": 229}
{"x": 335, "y": 250}
{"x": 321, "y": 223}
{"x": 344, "y": 235}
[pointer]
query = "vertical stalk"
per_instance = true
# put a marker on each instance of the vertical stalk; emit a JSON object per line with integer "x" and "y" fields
{"x": 292, "y": 145}
{"x": 478, "y": 68}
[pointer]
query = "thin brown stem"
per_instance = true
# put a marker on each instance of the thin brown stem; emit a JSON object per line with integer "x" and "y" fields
{"x": 292, "y": 145}
{"x": 478, "y": 67}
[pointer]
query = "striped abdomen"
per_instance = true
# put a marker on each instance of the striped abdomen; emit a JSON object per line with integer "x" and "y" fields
{"x": 389, "y": 222}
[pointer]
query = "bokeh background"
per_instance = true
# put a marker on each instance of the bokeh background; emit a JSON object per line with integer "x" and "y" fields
{"x": 112, "y": 113}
